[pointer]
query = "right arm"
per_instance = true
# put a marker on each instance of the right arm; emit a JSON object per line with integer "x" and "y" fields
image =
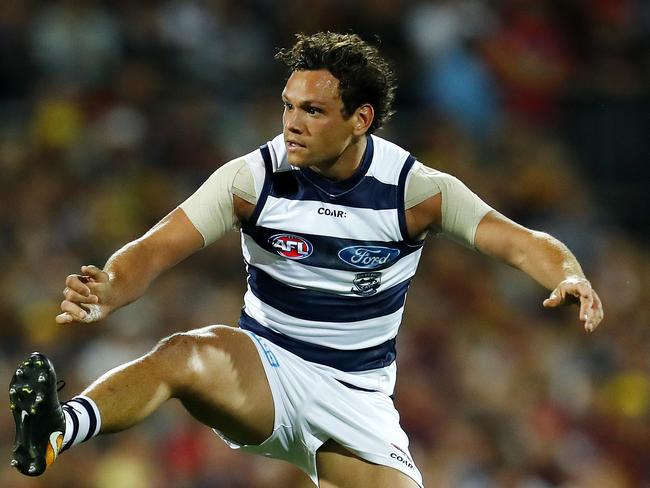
{"x": 129, "y": 271}
{"x": 227, "y": 197}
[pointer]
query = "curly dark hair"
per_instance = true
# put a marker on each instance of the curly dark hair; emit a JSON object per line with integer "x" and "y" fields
{"x": 364, "y": 76}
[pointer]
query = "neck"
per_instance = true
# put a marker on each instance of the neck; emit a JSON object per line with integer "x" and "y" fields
{"x": 346, "y": 163}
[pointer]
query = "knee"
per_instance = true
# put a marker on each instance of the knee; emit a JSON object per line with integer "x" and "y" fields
{"x": 184, "y": 357}
{"x": 184, "y": 349}
{"x": 173, "y": 358}
{"x": 177, "y": 344}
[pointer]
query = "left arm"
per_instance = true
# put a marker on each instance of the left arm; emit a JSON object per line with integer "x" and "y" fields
{"x": 440, "y": 203}
{"x": 545, "y": 259}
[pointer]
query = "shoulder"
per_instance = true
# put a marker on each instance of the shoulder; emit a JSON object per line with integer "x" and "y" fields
{"x": 422, "y": 172}
{"x": 443, "y": 202}
{"x": 384, "y": 148}
{"x": 267, "y": 159}
{"x": 274, "y": 154}
{"x": 389, "y": 161}
{"x": 424, "y": 182}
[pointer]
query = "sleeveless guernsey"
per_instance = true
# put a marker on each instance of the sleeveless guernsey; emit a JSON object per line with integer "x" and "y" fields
{"x": 329, "y": 263}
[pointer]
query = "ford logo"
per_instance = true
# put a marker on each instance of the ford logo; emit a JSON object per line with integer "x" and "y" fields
{"x": 368, "y": 257}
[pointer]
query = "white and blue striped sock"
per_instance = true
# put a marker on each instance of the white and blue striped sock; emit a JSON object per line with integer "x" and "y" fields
{"x": 82, "y": 421}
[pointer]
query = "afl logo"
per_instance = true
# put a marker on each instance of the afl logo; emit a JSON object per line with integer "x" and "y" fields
{"x": 290, "y": 246}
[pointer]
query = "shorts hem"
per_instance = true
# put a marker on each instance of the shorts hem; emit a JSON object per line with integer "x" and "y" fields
{"x": 380, "y": 461}
{"x": 277, "y": 425}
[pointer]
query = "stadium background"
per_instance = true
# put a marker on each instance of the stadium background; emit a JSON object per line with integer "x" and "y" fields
{"x": 111, "y": 113}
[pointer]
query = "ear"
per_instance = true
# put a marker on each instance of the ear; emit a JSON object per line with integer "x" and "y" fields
{"x": 363, "y": 117}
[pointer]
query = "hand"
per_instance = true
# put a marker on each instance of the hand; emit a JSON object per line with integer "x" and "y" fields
{"x": 591, "y": 308}
{"x": 85, "y": 296}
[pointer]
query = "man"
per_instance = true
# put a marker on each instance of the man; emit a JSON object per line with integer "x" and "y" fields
{"x": 332, "y": 221}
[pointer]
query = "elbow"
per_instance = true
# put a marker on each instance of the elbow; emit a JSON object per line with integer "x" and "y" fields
{"x": 135, "y": 259}
{"x": 540, "y": 248}
{"x": 531, "y": 245}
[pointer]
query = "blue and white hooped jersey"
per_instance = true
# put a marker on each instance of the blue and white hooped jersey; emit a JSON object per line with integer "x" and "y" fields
{"x": 329, "y": 263}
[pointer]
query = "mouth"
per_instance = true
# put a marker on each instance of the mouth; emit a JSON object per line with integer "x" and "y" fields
{"x": 293, "y": 145}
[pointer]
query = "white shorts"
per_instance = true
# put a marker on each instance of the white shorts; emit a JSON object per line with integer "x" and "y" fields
{"x": 311, "y": 408}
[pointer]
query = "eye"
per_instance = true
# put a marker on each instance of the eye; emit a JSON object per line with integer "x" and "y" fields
{"x": 312, "y": 110}
{"x": 287, "y": 105}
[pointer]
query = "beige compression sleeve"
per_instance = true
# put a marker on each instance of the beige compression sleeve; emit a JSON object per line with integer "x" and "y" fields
{"x": 210, "y": 208}
{"x": 462, "y": 210}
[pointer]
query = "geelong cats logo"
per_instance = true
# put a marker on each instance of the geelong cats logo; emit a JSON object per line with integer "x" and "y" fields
{"x": 366, "y": 284}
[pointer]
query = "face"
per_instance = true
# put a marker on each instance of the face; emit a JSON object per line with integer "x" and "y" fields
{"x": 316, "y": 133}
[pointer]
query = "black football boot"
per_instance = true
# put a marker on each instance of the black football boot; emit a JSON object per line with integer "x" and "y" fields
{"x": 39, "y": 419}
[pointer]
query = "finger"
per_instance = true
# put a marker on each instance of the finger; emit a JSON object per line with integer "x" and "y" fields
{"x": 589, "y": 321}
{"x": 73, "y": 296}
{"x": 597, "y": 311}
{"x": 64, "y": 318}
{"x": 74, "y": 310}
{"x": 75, "y": 283}
{"x": 554, "y": 299}
{"x": 95, "y": 273}
{"x": 586, "y": 312}
{"x": 584, "y": 293}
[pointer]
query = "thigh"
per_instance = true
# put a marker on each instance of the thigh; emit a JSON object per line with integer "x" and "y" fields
{"x": 339, "y": 468}
{"x": 225, "y": 385}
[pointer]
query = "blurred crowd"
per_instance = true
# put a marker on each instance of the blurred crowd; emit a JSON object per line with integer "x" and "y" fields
{"x": 111, "y": 113}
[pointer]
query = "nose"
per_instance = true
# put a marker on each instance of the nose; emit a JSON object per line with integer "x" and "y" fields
{"x": 292, "y": 121}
